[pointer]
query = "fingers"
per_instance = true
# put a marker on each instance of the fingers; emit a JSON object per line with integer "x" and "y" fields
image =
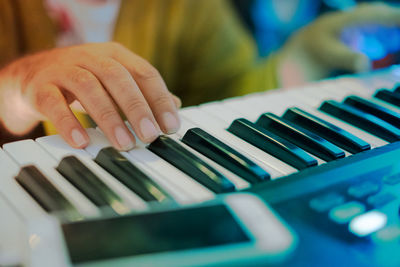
{"x": 322, "y": 38}
{"x": 376, "y": 13}
{"x": 49, "y": 101}
{"x": 127, "y": 95}
{"x": 90, "y": 92}
{"x": 153, "y": 89}
{"x": 105, "y": 84}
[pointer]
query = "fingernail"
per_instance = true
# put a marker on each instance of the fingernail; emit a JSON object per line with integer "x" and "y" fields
{"x": 148, "y": 130}
{"x": 123, "y": 139}
{"x": 78, "y": 138}
{"x": 171, "y": 122}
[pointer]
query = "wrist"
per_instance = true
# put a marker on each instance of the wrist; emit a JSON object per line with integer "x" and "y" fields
{"x": 16, "y": 114}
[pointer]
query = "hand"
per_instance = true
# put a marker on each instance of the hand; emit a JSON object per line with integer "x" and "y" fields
{"x": 316, "y": 50}
{"x": 103, "y": 78}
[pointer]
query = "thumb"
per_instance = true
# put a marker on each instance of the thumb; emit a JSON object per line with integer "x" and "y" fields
{"x": 339, "y": 56}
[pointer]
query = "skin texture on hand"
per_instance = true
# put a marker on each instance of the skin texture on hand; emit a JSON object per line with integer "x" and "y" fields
{"x": 105, "y": 78}
{"x": 316, "y": 50}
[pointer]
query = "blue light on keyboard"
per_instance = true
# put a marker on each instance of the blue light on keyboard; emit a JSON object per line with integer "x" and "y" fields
{"x": 367, "y": 223}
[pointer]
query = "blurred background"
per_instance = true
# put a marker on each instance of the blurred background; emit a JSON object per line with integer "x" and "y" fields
{"x": 272, "y": 21}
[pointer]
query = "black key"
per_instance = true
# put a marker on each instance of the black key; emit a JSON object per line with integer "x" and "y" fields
{"x": 272, "y": 144}
{"x": 388, "y": 96}
{"x": 190, "y": 164}
{"x": 370, "y": 107}
{"x": 88, "y": 183}
{"x": 326, "y": 130}
{"x": 363, "y": 120}
{"x": 224, "y": 155}
{"x": 45, "y": 193}
{"x": 300, "y": 137}
{"x": 130, "y": 175}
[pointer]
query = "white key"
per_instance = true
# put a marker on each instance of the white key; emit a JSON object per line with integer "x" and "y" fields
{"x": 346, "y": 87}
{"x": 218, "y": 110}
{"x": 213, "y": 126}
{"x": 57, "y": 147}
{"x": 28, "y": 152}
{"x": 24, "y": 204}
{"x": 180, "y": 186}
{"x": 12, "y": 235}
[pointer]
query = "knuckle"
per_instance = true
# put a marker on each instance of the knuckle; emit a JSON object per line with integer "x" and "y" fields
{"x": 64, "y": 120}
{"x": 45, "y": 98}
{"x": 84, "y": 79}
{"x": 126, "y": 85}
{"x": 110, "y": 69}
{"x": 147, "y": 72}
{"x": 162, "y": 100}
{"x": 107, "y": 114}
{"x": 27, "y": 79}
{"x": 135, "y": 106}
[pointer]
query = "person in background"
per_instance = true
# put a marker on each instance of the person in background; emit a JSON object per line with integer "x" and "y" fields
{"x": 126, "y": 57}
{"x": 272, "y": 22}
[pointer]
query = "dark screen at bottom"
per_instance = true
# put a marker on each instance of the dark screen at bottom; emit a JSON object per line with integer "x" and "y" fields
{"x": 150, "y": 233}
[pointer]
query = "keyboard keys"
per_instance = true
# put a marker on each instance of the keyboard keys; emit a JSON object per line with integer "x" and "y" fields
{"x": 326, "y": 130}
{"x": 59, "y": 149}
{"x": 344, "y": 213}
{"x": 388, "y": 96}
{"x": 392, "y": 179}
{"x": 390, "y": 233}
{"x": 363, "y": 189}
{"x": 28, "y": 152}
{"x": 312, "y": 108}
{"x": 374, "y": 109}
{"x": 300, "y": 137}
{"x": 362, "y": 120}
{"x": 182, "y": 159}
{"x": 380, "y": 199}
{"x": 38, "y": 186}
{"x": 274, "y": 166}
{"x": 182, "y": 188}
{"x": 131, "y": 176}
{"x": 10, "y": 189}
{"x": 237, "y": 181}
{"x": 368, "y": 223}
{"x": 272, "y": 144}
{"x": 224, "y": 155}
{"x": 89, "y": 184}
{"x": 325, "y": 202}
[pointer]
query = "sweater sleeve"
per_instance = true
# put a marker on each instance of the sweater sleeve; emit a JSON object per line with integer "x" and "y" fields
{"x": 220, "y": 58}
{"x": 9, "y": 37}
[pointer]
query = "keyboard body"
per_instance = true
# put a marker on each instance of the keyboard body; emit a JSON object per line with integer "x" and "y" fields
{"x": 324, "y": 242}
{"x": 318, "y": 202}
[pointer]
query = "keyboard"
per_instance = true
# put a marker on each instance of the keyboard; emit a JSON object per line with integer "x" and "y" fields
{"x": 324, "y": 156}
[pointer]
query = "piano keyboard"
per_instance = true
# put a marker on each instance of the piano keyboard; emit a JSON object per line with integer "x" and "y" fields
{"x": 222, "y": 147}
